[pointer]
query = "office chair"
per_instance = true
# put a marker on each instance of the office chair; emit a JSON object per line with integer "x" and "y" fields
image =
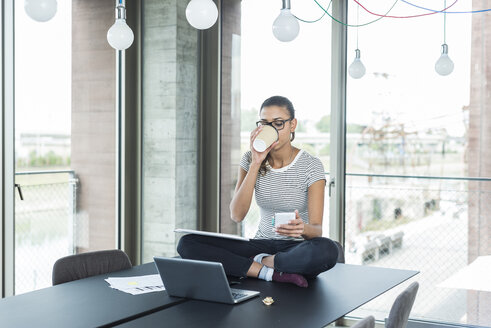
{"x": 89, "y": 264}
{"x": 340, "y": 252}
{"x": 368, "y": 322}
{"x": 399, "y": 313}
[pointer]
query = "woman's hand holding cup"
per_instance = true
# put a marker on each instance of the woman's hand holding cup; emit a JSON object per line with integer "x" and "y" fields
{"x": 258, "y": 157}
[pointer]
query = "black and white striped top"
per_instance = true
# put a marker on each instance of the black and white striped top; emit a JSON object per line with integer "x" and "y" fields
{"x": 284, "y": 190}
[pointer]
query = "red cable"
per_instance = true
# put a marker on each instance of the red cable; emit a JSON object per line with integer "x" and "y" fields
{"x": 432, "y": 13}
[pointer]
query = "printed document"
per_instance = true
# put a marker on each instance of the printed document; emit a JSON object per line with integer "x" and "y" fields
{"x": 137, "y": 285}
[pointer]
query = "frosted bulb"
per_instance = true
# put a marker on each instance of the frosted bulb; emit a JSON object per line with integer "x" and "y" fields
{"x": 444, "y": 65}
{"x": 120, "y": 36}
{"x": 285, "y": 26}
{"x": 356, "y": 70}
{"x": 201, "y": 14}
{"x": 40, "y": 10}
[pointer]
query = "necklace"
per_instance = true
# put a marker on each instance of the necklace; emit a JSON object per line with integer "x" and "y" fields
{"x": 291, "y": 155}
{"x": 289, "y": 159}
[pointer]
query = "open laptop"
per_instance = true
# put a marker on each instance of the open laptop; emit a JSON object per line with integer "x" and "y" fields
{"x": 200, "y": 280}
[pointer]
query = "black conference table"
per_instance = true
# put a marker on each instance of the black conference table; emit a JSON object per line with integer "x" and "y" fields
{"x": 91, "y": 302}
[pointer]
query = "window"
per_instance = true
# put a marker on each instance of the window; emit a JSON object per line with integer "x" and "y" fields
{"x": 256, "y": 66}
{"x": 65, "y": 138}
{"x": 414, "y": 143}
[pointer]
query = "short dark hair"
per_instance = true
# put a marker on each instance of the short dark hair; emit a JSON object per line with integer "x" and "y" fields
{"x": 280, "y": 102}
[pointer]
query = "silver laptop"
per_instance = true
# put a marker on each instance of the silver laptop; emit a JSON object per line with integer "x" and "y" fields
{"x": 200, "y": 280}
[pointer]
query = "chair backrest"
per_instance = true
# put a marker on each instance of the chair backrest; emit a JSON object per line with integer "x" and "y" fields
{"x": 89, "y": 264}
{"x": 399, "y": 313}
{"x": 340, "y": 252}
{"x": 368, "y": 322}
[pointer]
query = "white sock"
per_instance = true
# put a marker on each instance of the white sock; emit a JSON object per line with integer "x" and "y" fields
{"x": 266, "y": 273}
{"x": 259, "y": 257}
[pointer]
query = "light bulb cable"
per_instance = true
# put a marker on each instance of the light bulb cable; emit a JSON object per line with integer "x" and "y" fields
{"x": 444, "y": 23}
{"x": 357, "y": 28}
{"x": 351, "y": 25}
{"x": 316, "y": 20}
{"x": 120, "y": 12}
{"x": 412, "y": 16}
{"x": 448, "y": 12}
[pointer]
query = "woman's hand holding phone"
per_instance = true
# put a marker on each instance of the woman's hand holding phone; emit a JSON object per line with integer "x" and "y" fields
{"x": 295, "y": 228}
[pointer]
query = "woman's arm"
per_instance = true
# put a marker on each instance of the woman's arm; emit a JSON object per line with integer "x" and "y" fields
{"x": 239, "y": 206}
{"x": 316, "y": 210}
{"x": 313, "y": 229}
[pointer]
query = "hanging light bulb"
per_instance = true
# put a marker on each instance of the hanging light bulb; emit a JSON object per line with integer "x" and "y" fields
{"x": 356, "y": 70}
{"x": 120, "y": 36}
{"x": 285, "y": 26}
{"x": 201, "y": 14}
{"x": 444, "y": 65}
{"x": 40, "y": 10}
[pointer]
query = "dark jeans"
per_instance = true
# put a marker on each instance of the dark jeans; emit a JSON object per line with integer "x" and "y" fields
{"x": 308, "y": 257}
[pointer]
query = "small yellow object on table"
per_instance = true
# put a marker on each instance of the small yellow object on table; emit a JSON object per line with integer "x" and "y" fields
{"x": 268, "y": 300}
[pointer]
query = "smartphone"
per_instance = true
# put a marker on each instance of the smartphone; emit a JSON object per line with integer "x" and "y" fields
{"x": 283, "y": 218}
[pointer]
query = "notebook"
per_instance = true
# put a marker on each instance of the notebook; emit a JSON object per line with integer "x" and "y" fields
{"x": 201, "y": 280}
{"x": 211, "y": 234}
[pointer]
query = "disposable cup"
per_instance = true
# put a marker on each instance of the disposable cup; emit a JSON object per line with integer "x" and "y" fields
{"x": 265, "y": 138}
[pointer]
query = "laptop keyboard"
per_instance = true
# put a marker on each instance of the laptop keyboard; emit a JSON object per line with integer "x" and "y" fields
{"x": 237, "y": 296}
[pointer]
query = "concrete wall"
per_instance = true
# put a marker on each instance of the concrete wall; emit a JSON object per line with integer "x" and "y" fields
{"x": 479, "y": 156}
{"x": 93, "y": 155}
{"x": 170, "y": 125}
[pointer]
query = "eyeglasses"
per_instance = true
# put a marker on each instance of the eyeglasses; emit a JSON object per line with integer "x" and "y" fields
{"x": 277, "y": 124}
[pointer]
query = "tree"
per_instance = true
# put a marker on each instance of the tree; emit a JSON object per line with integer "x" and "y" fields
{"x": 355, "y": 128}
{"x": 248, "y": 119}
{"x": 301, "y": 127}
{"x": 324, "y": 125}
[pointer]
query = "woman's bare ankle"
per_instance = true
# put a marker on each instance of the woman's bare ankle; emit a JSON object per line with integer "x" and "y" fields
{"x": 268, "y": 261}
{"x": 254, "y": 269}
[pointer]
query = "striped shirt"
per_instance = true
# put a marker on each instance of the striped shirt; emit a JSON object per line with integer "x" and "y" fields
{"x": 284, "y": 190}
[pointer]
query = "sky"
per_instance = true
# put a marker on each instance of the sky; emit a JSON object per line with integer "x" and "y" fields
{"x": 404, "y": 50}
{"x": 43, "y": 71}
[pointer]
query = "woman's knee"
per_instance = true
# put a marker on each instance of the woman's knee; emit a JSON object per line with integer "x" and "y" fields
{"x": 185, "y": 245}
{"x": 326, "y": 252}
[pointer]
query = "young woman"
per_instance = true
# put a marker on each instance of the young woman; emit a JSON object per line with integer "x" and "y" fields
{"x": 285, "y": 179}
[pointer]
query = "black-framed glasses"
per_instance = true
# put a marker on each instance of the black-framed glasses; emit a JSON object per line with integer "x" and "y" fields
{"x": 277, "y": 124}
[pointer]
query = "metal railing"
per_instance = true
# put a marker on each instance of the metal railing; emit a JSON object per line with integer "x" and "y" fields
{"x": 44, "y": 225}
{"x": 419, "y": 223}
{"x": 410, "y": 222}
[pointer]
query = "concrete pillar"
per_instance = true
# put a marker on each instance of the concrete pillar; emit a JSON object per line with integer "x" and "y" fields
{"x": 93, "y": 155}
{"x": 170, "y": 125}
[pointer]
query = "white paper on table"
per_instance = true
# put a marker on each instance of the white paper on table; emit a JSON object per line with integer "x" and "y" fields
{"x": 137, "y": 285}
{"x": 475, "y": 276}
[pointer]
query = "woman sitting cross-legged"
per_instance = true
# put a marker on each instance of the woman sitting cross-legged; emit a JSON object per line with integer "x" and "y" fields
{"x": 284, "y": 179}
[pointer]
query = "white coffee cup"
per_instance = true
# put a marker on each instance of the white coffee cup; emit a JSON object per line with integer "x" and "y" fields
{"x": 265, "y": 138}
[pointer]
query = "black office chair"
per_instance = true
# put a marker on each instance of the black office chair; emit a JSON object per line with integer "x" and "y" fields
{"x": 340, "y": 252}
{"x": 89, "y": 264}
{"x": 368, "y": 322}
{"x": 399, "y": 313}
